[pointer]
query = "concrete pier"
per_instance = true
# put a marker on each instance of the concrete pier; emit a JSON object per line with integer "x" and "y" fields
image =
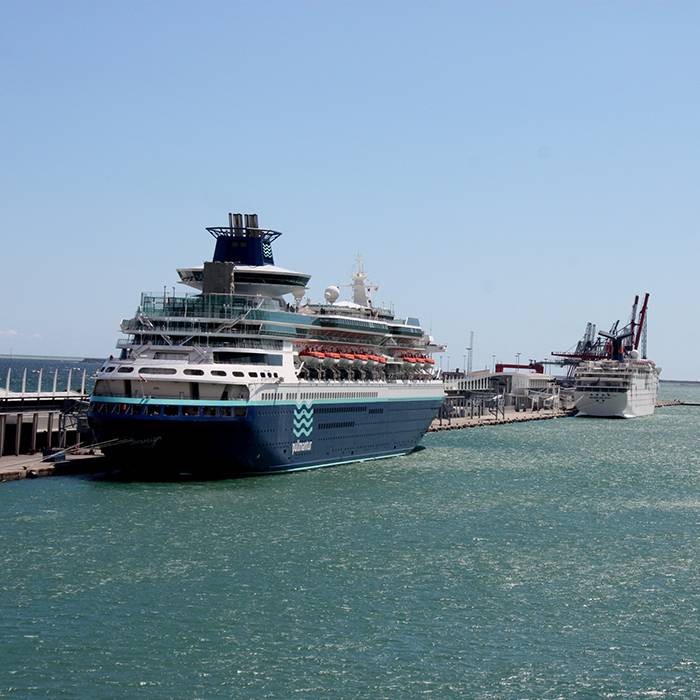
{"x": 30, "y": 417}
{"x": 510, "y": 415}
{"x": 14, "y": 468}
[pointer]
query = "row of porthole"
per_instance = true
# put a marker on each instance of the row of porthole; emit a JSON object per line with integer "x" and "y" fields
{"x": 127, "y": 369}
{"x": 128, "y": 409}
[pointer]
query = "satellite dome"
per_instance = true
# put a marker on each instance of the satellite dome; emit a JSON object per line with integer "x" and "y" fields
{"x": 331, "y": 294}
{"x": 634, "y": 354}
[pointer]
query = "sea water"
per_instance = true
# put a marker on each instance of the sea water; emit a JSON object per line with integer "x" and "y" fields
{"x": 553, "y": 559}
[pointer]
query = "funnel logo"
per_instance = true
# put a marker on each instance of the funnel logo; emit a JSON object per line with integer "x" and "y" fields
{"x": 303, "y": 426}
{"x": 267, "y": 251}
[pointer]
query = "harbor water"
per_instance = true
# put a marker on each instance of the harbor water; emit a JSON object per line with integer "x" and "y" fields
{"x": 553, "y": 559}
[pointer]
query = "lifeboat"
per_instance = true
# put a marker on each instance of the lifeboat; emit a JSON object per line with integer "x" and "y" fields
{"x": 375, "y": 358}
{"x": 429, "y": 361}
{"x": 410, "y": 360}
{"x": 347, "y": 356}
{"x": 315, "y": 354}
{"x": 361, "y": 359}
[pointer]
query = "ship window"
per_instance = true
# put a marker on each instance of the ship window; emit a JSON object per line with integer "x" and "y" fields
{"x": 275, "y": 374}
{"x": 225, "y": 411}
{"x": 247, "y": 358}
{"x": 238, "y": 374}
{"x": 125, "y": 370}
{"x": 152, "y": 410}
{"x": 170, "y": 410}
{"x": 209, "y": 411}
{"x": 109, "y": 369}
{"x": 169, "y": 355}
{"x": 195, "y": 372}
{"x": 252, "y": 374}
{"x": 158, "y": 370}
{"x": 190, "y": 410}
{"x": 218, "y": 373}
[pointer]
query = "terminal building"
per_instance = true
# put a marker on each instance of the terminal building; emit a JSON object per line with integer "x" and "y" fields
{"x": 508, "y": 386}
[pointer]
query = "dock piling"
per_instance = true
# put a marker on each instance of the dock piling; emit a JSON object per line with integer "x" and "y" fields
{"x": 49, "y": 430}
{"x": 35, "y": 430}
{"x": 18, "y": 433}
{"x": 3, "y": 420}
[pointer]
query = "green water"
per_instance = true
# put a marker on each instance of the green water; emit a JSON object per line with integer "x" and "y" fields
{"x": 556, "y": 559}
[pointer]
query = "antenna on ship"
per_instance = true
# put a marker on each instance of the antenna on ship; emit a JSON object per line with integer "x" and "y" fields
{"x": 361, "y": 288}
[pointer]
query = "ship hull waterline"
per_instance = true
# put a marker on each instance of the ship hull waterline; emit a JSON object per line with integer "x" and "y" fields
{"x": 255, "y": 439}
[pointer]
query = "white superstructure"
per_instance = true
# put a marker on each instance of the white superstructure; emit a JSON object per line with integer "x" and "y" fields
{"x": 616, "y": 389}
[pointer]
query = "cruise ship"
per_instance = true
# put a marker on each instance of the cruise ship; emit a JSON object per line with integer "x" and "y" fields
{"x": 623, "y": 383}
{"x": 246, "y": 376}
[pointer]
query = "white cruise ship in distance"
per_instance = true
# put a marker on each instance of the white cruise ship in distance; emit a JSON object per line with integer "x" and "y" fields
{"x": 624, "y": 383}
{"x": 245, "y": 377}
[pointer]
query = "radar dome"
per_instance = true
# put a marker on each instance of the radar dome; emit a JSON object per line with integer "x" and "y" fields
{"x": 634, "y": 354}
{"x": 298, "y": 293}
{"x": 331, "y": 294}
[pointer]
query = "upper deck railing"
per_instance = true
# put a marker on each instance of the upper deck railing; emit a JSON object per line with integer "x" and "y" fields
{"x": 227, "y": 306}
{"x": 233, "y": 307}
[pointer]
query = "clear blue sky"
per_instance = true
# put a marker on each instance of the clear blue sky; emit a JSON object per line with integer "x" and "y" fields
{"x": 515, "y": 168}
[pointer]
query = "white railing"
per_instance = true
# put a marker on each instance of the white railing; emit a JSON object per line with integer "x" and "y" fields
{"x": 41, "y": 391}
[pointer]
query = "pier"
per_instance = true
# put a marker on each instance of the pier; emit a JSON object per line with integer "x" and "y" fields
{"x": 41, "y": 417}
{"x": 505, "y": 417}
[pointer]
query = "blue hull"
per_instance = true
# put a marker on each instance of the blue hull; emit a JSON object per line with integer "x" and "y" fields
{"x": 238, "y": 439}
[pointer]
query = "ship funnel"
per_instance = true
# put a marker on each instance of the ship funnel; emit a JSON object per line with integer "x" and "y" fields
{"x": 251, "y": 221}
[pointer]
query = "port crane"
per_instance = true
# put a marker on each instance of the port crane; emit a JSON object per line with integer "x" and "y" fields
{"x": 608, "y": 344}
